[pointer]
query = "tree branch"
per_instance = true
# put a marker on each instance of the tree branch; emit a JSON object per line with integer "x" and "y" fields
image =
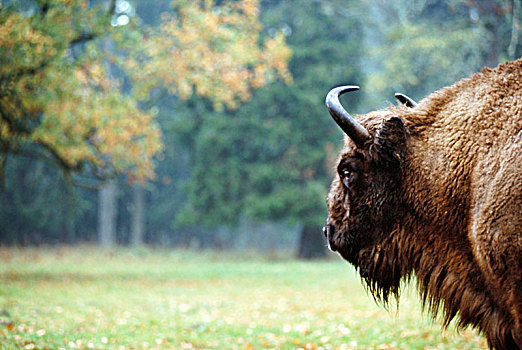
{"x": 44, "y": 8}
{"x": 3, "y": 160}
{"x": 112, "y": 7}
{"x": 84, "y": 37}
{"x": 25, "y": 71}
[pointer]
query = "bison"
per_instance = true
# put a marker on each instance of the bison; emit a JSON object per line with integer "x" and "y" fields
{"x": 434, "y": 190}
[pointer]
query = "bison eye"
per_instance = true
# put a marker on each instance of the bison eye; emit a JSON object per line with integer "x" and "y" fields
{"x": 346, "y": 174}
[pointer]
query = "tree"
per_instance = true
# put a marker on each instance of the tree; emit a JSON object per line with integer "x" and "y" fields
{"x": 107, "y": 213}
{"x": 38, "y": 207}
{"x": 56, "y": 100}
{"x": 266, "y": 161}
{"x": 138, "y": 216}
{"x": 419, "y": 47}
{"x": 206, "y": 49}
{"x": 58, "y": 103}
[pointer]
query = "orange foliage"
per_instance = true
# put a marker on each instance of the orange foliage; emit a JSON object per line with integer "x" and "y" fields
{"x": 69, "y": 106}
{"x": 212, "y": 51}
{"x": 73, "y": 109}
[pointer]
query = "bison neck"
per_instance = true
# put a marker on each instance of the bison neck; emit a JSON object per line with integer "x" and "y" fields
{"x": 433, "y": 236}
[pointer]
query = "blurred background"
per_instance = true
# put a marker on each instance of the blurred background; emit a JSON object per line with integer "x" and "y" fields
{"x": 201, "y": 124}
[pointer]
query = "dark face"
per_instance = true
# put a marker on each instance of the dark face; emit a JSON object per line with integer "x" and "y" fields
{"x": 365, "y": 196}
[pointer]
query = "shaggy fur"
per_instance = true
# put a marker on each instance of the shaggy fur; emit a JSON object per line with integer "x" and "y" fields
{"x": 437, "y": 193}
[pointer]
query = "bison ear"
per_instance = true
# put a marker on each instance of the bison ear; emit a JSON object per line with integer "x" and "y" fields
{"x": 390, "y": 141}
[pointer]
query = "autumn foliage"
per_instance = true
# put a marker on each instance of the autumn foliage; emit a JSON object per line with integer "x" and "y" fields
{"x": 212, "y": 50}
{"x": 62, "y": 67}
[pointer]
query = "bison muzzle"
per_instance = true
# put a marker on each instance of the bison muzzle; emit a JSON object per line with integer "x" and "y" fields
{"x": 434, "y": 190}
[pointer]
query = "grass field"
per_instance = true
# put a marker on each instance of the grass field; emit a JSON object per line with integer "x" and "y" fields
{"x": 85, "y": 298}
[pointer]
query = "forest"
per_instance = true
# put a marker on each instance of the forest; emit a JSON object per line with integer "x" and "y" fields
{"x": 201, "y": 124}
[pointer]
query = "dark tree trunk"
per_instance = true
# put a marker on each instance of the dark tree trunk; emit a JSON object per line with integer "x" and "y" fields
{"x": 68, "y": 234}
{"x": 312, "y": 244}
{"x": 107, "y": 214}
{"x": 138, "y": 216}
{"x": 493, "y": 13}
{"x": 68, "y": 229}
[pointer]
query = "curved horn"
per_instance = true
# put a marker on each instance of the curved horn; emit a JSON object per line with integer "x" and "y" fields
{"x": 405, "y": 100}
{"x": 354, "y": 130}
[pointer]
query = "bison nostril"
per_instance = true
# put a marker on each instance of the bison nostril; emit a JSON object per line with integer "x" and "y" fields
{"x": 329, "y": 231}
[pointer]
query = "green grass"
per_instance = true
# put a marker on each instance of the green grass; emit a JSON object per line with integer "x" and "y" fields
{"x": 140, "y": 299}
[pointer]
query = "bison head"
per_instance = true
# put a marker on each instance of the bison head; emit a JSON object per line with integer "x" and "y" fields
{"x": 365, "y": 198}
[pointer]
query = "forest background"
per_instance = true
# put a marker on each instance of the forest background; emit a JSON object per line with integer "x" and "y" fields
{"x": 202, "y": 124}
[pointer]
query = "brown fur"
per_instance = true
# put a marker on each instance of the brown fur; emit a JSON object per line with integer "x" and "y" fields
{"x": 437, "y": 193}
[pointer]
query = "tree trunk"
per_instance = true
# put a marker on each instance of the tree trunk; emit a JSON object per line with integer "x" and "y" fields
{"x": 138, "y": 216}
{"x": 312, "y": 244}
{"x": 107, "y": 214}
{"x": 67, "y": 210}
{"x": 68, "y": 234}
{"x": 493, "y": 14}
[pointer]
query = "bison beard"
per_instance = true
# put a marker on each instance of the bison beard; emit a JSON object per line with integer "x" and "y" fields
{"x": 434, "y": 190}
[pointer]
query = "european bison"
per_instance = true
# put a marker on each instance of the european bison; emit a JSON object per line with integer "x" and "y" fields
{"x": 434, "y": 190}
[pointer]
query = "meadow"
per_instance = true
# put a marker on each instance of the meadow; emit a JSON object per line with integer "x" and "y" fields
{"x": 87, "y": 298}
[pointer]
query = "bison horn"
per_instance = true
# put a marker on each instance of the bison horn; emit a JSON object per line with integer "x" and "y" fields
{"x": 354, "y": 130}
{"x": 405, "y": 100}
